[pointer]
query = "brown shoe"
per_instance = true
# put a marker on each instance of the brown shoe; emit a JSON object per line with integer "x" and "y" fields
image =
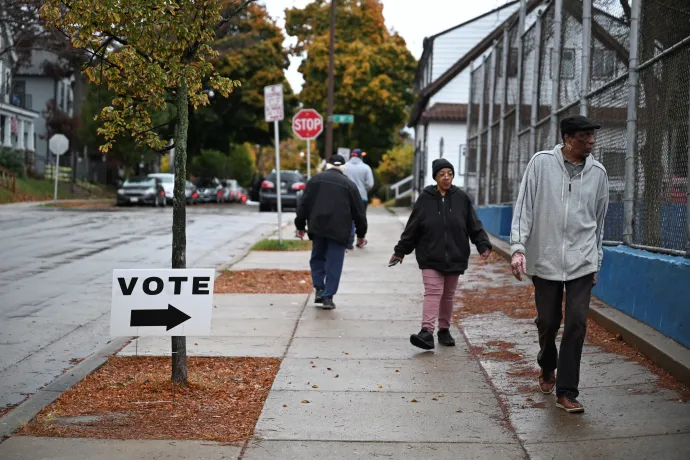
{"x": 570, "y": 405}
{"x": 547, "y": 382}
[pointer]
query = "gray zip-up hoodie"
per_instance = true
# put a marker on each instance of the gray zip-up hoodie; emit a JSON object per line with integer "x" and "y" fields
{"x": 558, "y": 222}
{"x": 360, "y": 173}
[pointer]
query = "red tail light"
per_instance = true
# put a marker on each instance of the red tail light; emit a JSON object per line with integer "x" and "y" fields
{"x": 232, "y": 193}
{"x": 244, "y": 199}
{"x": 299, "y": 186}
{"x": 219, "y": 193}
{"x": 195, "y": 195}
{"x": 267, "y": 184}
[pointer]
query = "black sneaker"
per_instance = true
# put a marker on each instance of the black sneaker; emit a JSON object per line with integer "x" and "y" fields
{"x": 350, "y": 247}
{"x": 318, "y": 296}
{"x": 328, "y": 304}
{"x": 424, "y": 339}
{"x": 444, "y": 338}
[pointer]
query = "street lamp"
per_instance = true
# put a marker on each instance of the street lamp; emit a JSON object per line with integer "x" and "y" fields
{"x": 301, "y": 154}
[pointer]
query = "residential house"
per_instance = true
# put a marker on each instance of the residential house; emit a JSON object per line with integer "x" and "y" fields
{"x": 37, "y": 86}
{"x": 17, "y": 120}
{"x": 439, "y": 116}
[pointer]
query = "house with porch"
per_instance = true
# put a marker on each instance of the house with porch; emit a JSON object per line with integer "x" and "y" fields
{"x": 17, "y": 119}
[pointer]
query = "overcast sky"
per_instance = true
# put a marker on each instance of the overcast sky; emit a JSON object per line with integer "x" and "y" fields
{"x": 413, "y": 19}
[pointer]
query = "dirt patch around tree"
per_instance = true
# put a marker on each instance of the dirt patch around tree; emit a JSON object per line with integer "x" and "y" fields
{"x": 264, "y": 282}
{"x": 132, "y": 398}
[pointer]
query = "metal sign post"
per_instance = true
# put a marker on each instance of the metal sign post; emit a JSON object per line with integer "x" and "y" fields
{"x": 274, "y": 112}
{"x": 58, "y": 144}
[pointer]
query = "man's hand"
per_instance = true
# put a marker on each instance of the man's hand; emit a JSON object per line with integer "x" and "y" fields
{"x": 395, "y": 260}
{"x": 519, "y": 265}
{"x": 300, "y": 234}
{"x": 596, "y": 278}
{"x": 361, "y": 242}
{"x": 485, "y": 255}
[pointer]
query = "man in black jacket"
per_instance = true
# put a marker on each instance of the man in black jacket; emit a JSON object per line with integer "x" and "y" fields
{"x": 330, "y": 203}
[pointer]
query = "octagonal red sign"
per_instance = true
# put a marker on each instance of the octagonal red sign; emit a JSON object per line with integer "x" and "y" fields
{"x": 307, "y": 124}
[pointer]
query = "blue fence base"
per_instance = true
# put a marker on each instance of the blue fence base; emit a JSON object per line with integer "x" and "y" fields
{"x": 652, "y": 288}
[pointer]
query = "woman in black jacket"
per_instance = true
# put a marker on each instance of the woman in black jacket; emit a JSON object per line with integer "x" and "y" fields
{"x": 442, "y": 222}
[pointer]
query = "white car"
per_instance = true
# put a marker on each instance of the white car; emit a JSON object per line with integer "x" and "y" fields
{"x": 168, "y": 181}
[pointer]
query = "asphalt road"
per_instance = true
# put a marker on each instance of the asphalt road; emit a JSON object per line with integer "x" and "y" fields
{"x": 56, "y": 273}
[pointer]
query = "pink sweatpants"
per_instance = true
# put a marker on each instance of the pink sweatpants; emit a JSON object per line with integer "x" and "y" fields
{"x": 439, "y": 290}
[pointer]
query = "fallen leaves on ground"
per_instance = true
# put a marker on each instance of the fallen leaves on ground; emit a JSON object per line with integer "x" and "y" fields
{"x": 489, "y": 288}
{"x": 133, "y": 399}
{"x": 264, "y": 282}
{"x": 84, "y": 204}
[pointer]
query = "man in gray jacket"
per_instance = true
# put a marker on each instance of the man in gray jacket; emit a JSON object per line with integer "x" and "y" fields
{"x": 556, "y": 238}
{"x": 360, "y": 173}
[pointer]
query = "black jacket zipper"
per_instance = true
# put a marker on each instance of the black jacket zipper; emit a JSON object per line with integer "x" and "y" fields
{"x": 445, "y": 227}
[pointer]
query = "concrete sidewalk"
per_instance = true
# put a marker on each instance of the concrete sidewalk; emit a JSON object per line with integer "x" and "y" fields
{"x": 351, "y": 386}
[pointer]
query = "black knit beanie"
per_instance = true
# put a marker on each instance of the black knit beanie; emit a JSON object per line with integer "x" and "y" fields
{"x": 440, "y": 164}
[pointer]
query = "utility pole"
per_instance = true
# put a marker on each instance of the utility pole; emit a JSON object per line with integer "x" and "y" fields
{"x": 331, "y": 65}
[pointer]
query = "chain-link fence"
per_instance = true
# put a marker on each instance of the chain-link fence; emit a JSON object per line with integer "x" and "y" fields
{"x": 625, "y": 64}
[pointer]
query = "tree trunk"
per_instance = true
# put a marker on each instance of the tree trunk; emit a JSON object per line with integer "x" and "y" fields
{"x": 179, "y": 229}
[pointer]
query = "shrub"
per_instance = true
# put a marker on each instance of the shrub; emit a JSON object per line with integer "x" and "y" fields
{"x": 12, "y": 160}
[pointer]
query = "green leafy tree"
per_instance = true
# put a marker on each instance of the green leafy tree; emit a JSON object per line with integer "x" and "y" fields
{"x": 210, "y": 164}
{"x": 241, "y": 164}
{"x": 374, "y": 72}
{"x": 250, "y": 48}
{"x": 151, "y": 54}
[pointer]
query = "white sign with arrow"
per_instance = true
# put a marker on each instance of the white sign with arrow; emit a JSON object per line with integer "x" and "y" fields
{"x": 163, "y": 302}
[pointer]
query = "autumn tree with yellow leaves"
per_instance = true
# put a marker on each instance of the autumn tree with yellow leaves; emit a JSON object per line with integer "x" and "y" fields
{"x": 374, "y": 72}
{"x": 152, "y": 54}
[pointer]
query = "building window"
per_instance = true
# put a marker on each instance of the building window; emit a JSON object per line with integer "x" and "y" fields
{"x": 603, "y": 63}
{"x": 567, "y": 63}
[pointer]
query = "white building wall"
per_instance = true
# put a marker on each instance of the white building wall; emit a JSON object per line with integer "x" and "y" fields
{"x": 451, "y": 46}
{"x": 454, "y": 136}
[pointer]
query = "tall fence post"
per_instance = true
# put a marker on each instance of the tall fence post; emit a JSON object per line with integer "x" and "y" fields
{"x": 687, "y": 189}
{"x": 535, "y": 86}
{"x": 631, "y": 148}
{"x": 556, "y": 70}
{"x": 520, "y": 73}
{"x": 502, "y": 123}
{"x": 490, "y": 133}
{"x": 479, "y": 133}
{"x": 586, "y": 55}
{"x": 466, "y": 183}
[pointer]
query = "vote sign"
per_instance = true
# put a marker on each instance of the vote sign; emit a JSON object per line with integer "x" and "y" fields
{"x": 163, "y": 302}
{"x": 307, "y": 124}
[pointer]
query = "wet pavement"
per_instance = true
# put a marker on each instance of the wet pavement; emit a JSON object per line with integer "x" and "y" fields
{"x": 351, "y": 386}
{"x": 57, "y": 264}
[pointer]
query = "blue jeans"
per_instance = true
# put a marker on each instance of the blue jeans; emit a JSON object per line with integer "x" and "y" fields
{"x": 327, "y": 257}
{"x": 352, "y": 232}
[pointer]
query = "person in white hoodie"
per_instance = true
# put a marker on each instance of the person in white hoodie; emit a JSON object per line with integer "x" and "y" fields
{"x": 556, "y": 238}
{"x": 360, "y": 173}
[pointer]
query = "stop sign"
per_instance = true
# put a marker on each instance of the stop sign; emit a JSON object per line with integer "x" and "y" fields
{"x": 307, "y": 124}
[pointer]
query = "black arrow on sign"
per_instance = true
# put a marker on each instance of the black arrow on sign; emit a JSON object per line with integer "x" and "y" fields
{"x": 169, "y": 318}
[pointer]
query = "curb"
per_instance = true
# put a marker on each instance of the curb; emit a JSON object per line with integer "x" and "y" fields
{"x": 666, "y": 353}
{"x": 28, "y": 409}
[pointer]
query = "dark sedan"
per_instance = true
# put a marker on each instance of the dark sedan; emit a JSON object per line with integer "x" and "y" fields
{"x": 291, "y": 185}
{"x": 141, "y": 190}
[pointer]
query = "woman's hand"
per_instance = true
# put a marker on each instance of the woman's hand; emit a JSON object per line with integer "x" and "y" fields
{"x": 485, "y": 255}
{"x": 395, "y": 260}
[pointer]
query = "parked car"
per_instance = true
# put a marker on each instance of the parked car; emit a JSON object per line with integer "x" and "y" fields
{"x": 191, "y": 193}
{"x": 141, "y": 190}
{"x": 242, "y": 195}
{"x": 231, "y": 190}
{"x": 208, "y": 190}
{"x": 168, "y": 181}
{"x": 292, "y": 186}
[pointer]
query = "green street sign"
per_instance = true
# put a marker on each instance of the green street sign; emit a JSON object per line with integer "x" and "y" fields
{"x": 343, "y": 118}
